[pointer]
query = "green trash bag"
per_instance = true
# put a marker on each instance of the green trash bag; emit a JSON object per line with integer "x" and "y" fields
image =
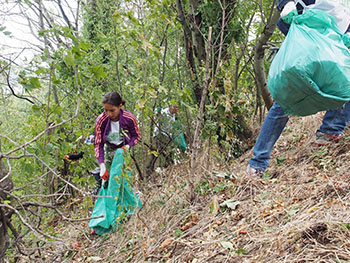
{"x": 178, "y": 136}
{"x": 180, "y": 141}
{"x": 116, "y": 200}
{"x": 311, "y": 71}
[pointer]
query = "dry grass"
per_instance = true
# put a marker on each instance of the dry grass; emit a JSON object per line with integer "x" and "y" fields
{"x": 298, "y": 213}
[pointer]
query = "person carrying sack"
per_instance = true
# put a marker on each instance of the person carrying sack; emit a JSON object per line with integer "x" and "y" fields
{"x": 116, "y": 131}
{"x": 114, "y": 128}
{"x": 334, "y": 121}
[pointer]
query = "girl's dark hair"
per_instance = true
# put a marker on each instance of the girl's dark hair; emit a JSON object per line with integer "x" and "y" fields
{"x": 113, "y": 98}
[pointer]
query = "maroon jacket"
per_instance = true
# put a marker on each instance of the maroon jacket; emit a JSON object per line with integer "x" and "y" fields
{"x": 128, "y": 126}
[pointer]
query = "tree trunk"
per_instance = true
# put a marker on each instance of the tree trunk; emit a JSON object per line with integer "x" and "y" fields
{"x": 190, "y": 52}
{"x": 259, "y": 68}
{"x": 4, "y": 236}
{"x": 198, "y": 129}
{"x": 6, "y": 184}
{"x": 197, "y": 38}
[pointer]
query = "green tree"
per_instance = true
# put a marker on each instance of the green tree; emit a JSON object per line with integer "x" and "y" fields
{"x": 199, "y": 55}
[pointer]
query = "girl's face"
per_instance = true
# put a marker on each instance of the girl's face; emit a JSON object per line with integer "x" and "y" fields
{"x": 112, "y": 111}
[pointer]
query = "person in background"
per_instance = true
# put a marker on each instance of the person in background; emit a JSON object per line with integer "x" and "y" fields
{"x": 114, "y": 128}
{"x": 167, "y": 134}
{"x": 167, "y": 119}
{"x": 333, "y": 123}
{"x": 170, "y": 127}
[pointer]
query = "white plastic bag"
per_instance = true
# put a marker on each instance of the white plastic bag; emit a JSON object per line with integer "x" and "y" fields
{"x": 332, "y": 7}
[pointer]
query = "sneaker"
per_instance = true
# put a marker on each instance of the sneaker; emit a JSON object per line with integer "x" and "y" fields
{"x": 325, "y": 138}
{"x": 254, "y": 172}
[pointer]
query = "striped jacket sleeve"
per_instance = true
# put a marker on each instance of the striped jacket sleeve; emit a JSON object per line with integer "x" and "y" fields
{"x": 99, "y": 151}
{"x": 133, "y": 128}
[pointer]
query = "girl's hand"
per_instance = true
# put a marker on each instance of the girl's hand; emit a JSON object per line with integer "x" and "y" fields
{"x": 103, "y": 172}
{"x": 289, "y": 7}
{"x": 125, "y": 147}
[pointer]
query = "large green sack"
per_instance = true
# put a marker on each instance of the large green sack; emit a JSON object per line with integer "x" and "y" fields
{"x": 116, "y": 201}
{"x": 311, "y": 71}
{"x": 178, "y": 136}
{"x": 180, "y": 141}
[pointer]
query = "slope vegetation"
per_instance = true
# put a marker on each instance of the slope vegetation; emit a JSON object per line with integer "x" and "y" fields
{"x": 299, "y": 212}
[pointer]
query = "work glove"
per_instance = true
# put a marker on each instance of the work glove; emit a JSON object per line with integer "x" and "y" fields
{"x": 288, "y": 12}
{"x": 74, "y": 157}
{"x": 103, "y": 172}
{"x": 125, "y": 147}
{"x": 289, "y": 7}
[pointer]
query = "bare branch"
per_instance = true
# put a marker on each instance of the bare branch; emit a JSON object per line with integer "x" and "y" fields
{"x": 64, "y": 14}
{"x": 64, "y": 218}
{"x": 13, "y": 92}
{"x": 8, "y": 173}
{"x": 6, "y": 155}
{"x": 38, "y": 233}
{"x": 259, "y": 67}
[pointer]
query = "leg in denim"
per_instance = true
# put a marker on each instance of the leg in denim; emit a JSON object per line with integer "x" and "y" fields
{"x": 335, "y": 121}
{"x": 271, "y": 130}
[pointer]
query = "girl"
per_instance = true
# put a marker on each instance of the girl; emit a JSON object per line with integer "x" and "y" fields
{"x": 115, "y": 128}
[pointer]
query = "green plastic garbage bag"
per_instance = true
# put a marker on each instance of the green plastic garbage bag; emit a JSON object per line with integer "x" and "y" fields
{"x": 117, "y": 199}
{"x": 180, "y": 141}
{"x": 178, "y": 136}
{"x": 311, "y": 71}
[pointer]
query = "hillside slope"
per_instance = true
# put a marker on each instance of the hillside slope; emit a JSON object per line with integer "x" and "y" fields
{"x": 299, "y": 212}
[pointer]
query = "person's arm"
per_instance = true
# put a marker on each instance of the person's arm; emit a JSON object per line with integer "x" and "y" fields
{"x": 282, "y": 3}
{"x": 289, "y": 7}
{"x": 133, "y": 129}
{"x": 99, "y": 151}
{"x": 282, "y": 6}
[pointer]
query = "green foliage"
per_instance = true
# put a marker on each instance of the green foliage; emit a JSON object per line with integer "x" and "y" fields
{"x": 4, "y": 31}
{"x": 241, "y": 251}
{"x": 346, "y": 227}
{"x": 212, "y": 15}
{"x": 280, "y": 160}
{"x": 220, "y": 187}
{"x": 202, "y": 188}
{"x": 138, "y": 51}
{"x": 178, "y": 233}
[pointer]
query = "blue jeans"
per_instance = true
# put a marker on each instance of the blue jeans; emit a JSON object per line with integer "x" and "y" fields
{"x": 334, "y": 122}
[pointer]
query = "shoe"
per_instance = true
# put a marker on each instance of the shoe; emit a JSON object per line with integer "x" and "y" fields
{"x": 254, "y": 172}
{"x": 325, "y": 138}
